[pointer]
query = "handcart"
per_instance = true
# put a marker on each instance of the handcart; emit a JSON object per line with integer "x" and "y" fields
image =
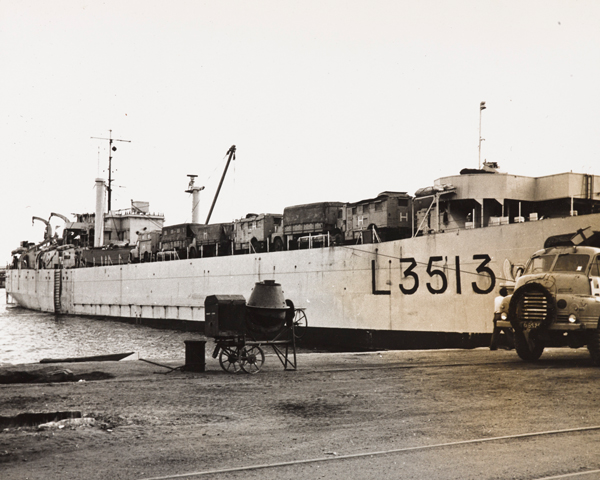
{"x": 243, "y": 353}
{"x": 241, "y": 330}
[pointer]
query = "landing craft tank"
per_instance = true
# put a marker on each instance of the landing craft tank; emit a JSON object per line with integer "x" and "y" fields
{"x": 435, "y": 289}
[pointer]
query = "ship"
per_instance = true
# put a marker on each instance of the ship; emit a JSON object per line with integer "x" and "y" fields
{"x": 425, "y": 275}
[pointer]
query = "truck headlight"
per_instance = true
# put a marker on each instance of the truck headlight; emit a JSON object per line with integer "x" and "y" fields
{"x": 572, "y": 318}
{"x": 503, "y": 316}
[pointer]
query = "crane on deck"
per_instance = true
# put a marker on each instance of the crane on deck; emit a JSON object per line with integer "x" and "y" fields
{"x": 231, "y": 153}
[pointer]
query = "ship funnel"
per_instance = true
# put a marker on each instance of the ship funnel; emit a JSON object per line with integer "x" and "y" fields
{"x": 99, "y": 227}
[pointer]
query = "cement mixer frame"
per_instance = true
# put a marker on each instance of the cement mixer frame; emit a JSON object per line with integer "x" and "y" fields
{"x": 238, "y": 347}
{"x": 245, "y": 354}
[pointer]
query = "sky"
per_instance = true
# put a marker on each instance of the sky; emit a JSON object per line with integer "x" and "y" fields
{"x": 325, "y": 100}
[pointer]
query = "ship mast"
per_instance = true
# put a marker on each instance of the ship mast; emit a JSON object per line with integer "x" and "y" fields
{"x": 195, "y": 191}
{"x": 110, "y": 150}
{"x": 481, "y": 108}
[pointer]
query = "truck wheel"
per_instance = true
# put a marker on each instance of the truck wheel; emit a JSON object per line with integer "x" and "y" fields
{"x": 529, "y": 351}
{"x": 593, "y": 346}
{"x": 278, "y": 245}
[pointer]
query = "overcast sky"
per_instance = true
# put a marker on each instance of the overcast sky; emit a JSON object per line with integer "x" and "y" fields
{"x": 325, "y": 100}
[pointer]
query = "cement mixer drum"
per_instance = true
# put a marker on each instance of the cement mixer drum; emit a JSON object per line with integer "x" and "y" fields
{"x": 267, "y": 308}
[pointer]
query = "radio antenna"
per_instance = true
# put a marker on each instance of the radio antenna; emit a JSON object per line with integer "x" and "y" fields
{"x": 110, "y": 150}
{"x": 481, "y": 109}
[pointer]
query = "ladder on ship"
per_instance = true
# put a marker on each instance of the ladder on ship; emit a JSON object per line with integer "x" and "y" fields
{"x": 57, "y": 289}
{"x": 588, "y": 186}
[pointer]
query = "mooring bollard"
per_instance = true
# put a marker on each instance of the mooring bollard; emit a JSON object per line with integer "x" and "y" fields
{"x": 195, "y": 355}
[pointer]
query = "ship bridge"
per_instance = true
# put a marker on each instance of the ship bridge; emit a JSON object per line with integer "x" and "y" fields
{"x": 481, "y": 198}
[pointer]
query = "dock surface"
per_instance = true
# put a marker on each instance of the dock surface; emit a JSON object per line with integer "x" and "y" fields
{"x": 443, "y": 414}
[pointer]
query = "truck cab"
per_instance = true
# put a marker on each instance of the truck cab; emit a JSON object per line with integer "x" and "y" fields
{"x": 556, "y": 302}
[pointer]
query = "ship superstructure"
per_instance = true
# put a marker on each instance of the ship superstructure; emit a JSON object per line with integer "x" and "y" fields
{"x": 478, "y": 198}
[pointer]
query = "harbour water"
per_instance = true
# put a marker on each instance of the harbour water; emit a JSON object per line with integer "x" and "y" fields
{"x": 27, "y": 336}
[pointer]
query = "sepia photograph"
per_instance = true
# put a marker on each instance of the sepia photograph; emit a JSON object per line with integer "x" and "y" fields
{"x": 303, "y": 239}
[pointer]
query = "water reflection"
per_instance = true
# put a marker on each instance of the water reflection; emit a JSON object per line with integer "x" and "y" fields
{"x": 27, "y": 337}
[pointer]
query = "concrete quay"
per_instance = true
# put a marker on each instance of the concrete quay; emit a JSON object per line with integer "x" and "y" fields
{"x": 438, "y": 414}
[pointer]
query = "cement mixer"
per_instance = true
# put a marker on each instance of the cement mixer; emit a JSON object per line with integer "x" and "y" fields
{"x": 241, "y": 329}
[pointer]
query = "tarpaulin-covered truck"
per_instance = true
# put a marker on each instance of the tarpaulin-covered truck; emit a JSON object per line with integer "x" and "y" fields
{"x": 306, "y": 225}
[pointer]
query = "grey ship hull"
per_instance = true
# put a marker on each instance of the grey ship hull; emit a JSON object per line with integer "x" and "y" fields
{"x": 425, "y": 292}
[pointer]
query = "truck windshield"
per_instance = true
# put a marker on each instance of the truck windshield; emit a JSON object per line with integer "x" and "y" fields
{"x": 540, "y": 264}
{"x": 568, "y": 262}
{"x": 571, "y": 262}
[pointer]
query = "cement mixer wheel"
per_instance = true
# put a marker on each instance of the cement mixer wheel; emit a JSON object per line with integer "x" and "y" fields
{"x": 300, "y": 323}
{"x": 252, "y": 358}
{"x": 230, "y": 359}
